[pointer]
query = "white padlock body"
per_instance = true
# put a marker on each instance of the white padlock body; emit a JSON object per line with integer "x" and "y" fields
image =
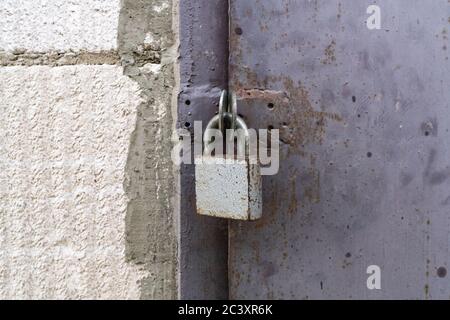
{"x": 230, "y": 189}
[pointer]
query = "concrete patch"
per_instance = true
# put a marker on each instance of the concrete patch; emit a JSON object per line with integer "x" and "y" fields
{"x": 148, "y": 51}
{"x": 26, "y": 58}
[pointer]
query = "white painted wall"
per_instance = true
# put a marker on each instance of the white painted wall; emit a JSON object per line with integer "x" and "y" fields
{"x": 64, "y": 139}
{"x": 59, "y": 25}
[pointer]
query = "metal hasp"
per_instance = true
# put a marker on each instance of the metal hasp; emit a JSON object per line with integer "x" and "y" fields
{"x": 228, "y": 186}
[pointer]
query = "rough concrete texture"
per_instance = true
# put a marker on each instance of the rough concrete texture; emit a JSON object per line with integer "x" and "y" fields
{"x": 86, "y": 178}
{"x": 148, "y": 49}
{"x": 65, "y": 137}
{"x": 61, "y": 25}
{"x": 24, "y": 58}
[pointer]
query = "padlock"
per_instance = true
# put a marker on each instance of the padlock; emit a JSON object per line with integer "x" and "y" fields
{"x": 228, "y": 186}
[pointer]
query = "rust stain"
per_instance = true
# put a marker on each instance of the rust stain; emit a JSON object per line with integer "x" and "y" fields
{"x": 292, "y": 111}
{"x": 293, "y": 202}
{"x": 312, "y": 189}
{"x": 330, "y": 54}
{"x": 263, "y": 26}
{"x": 269, "y": 95}
{"x": 300, "y": 123}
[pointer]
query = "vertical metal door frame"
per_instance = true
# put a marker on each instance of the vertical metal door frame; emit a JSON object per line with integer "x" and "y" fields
{"x": 203, "y": 241}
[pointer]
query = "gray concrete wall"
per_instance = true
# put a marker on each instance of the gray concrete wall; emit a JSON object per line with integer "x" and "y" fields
{"x": 87, "y": 207}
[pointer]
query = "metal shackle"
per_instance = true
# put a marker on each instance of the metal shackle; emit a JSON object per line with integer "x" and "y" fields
{"x": 228, "y": 113}
{"x": 214, "y": 125}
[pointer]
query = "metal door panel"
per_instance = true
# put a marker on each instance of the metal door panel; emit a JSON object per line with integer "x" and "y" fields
{"x": 365, "y": 155}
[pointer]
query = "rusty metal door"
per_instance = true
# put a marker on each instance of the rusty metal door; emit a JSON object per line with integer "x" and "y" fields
{"x": 364, "y": 123}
